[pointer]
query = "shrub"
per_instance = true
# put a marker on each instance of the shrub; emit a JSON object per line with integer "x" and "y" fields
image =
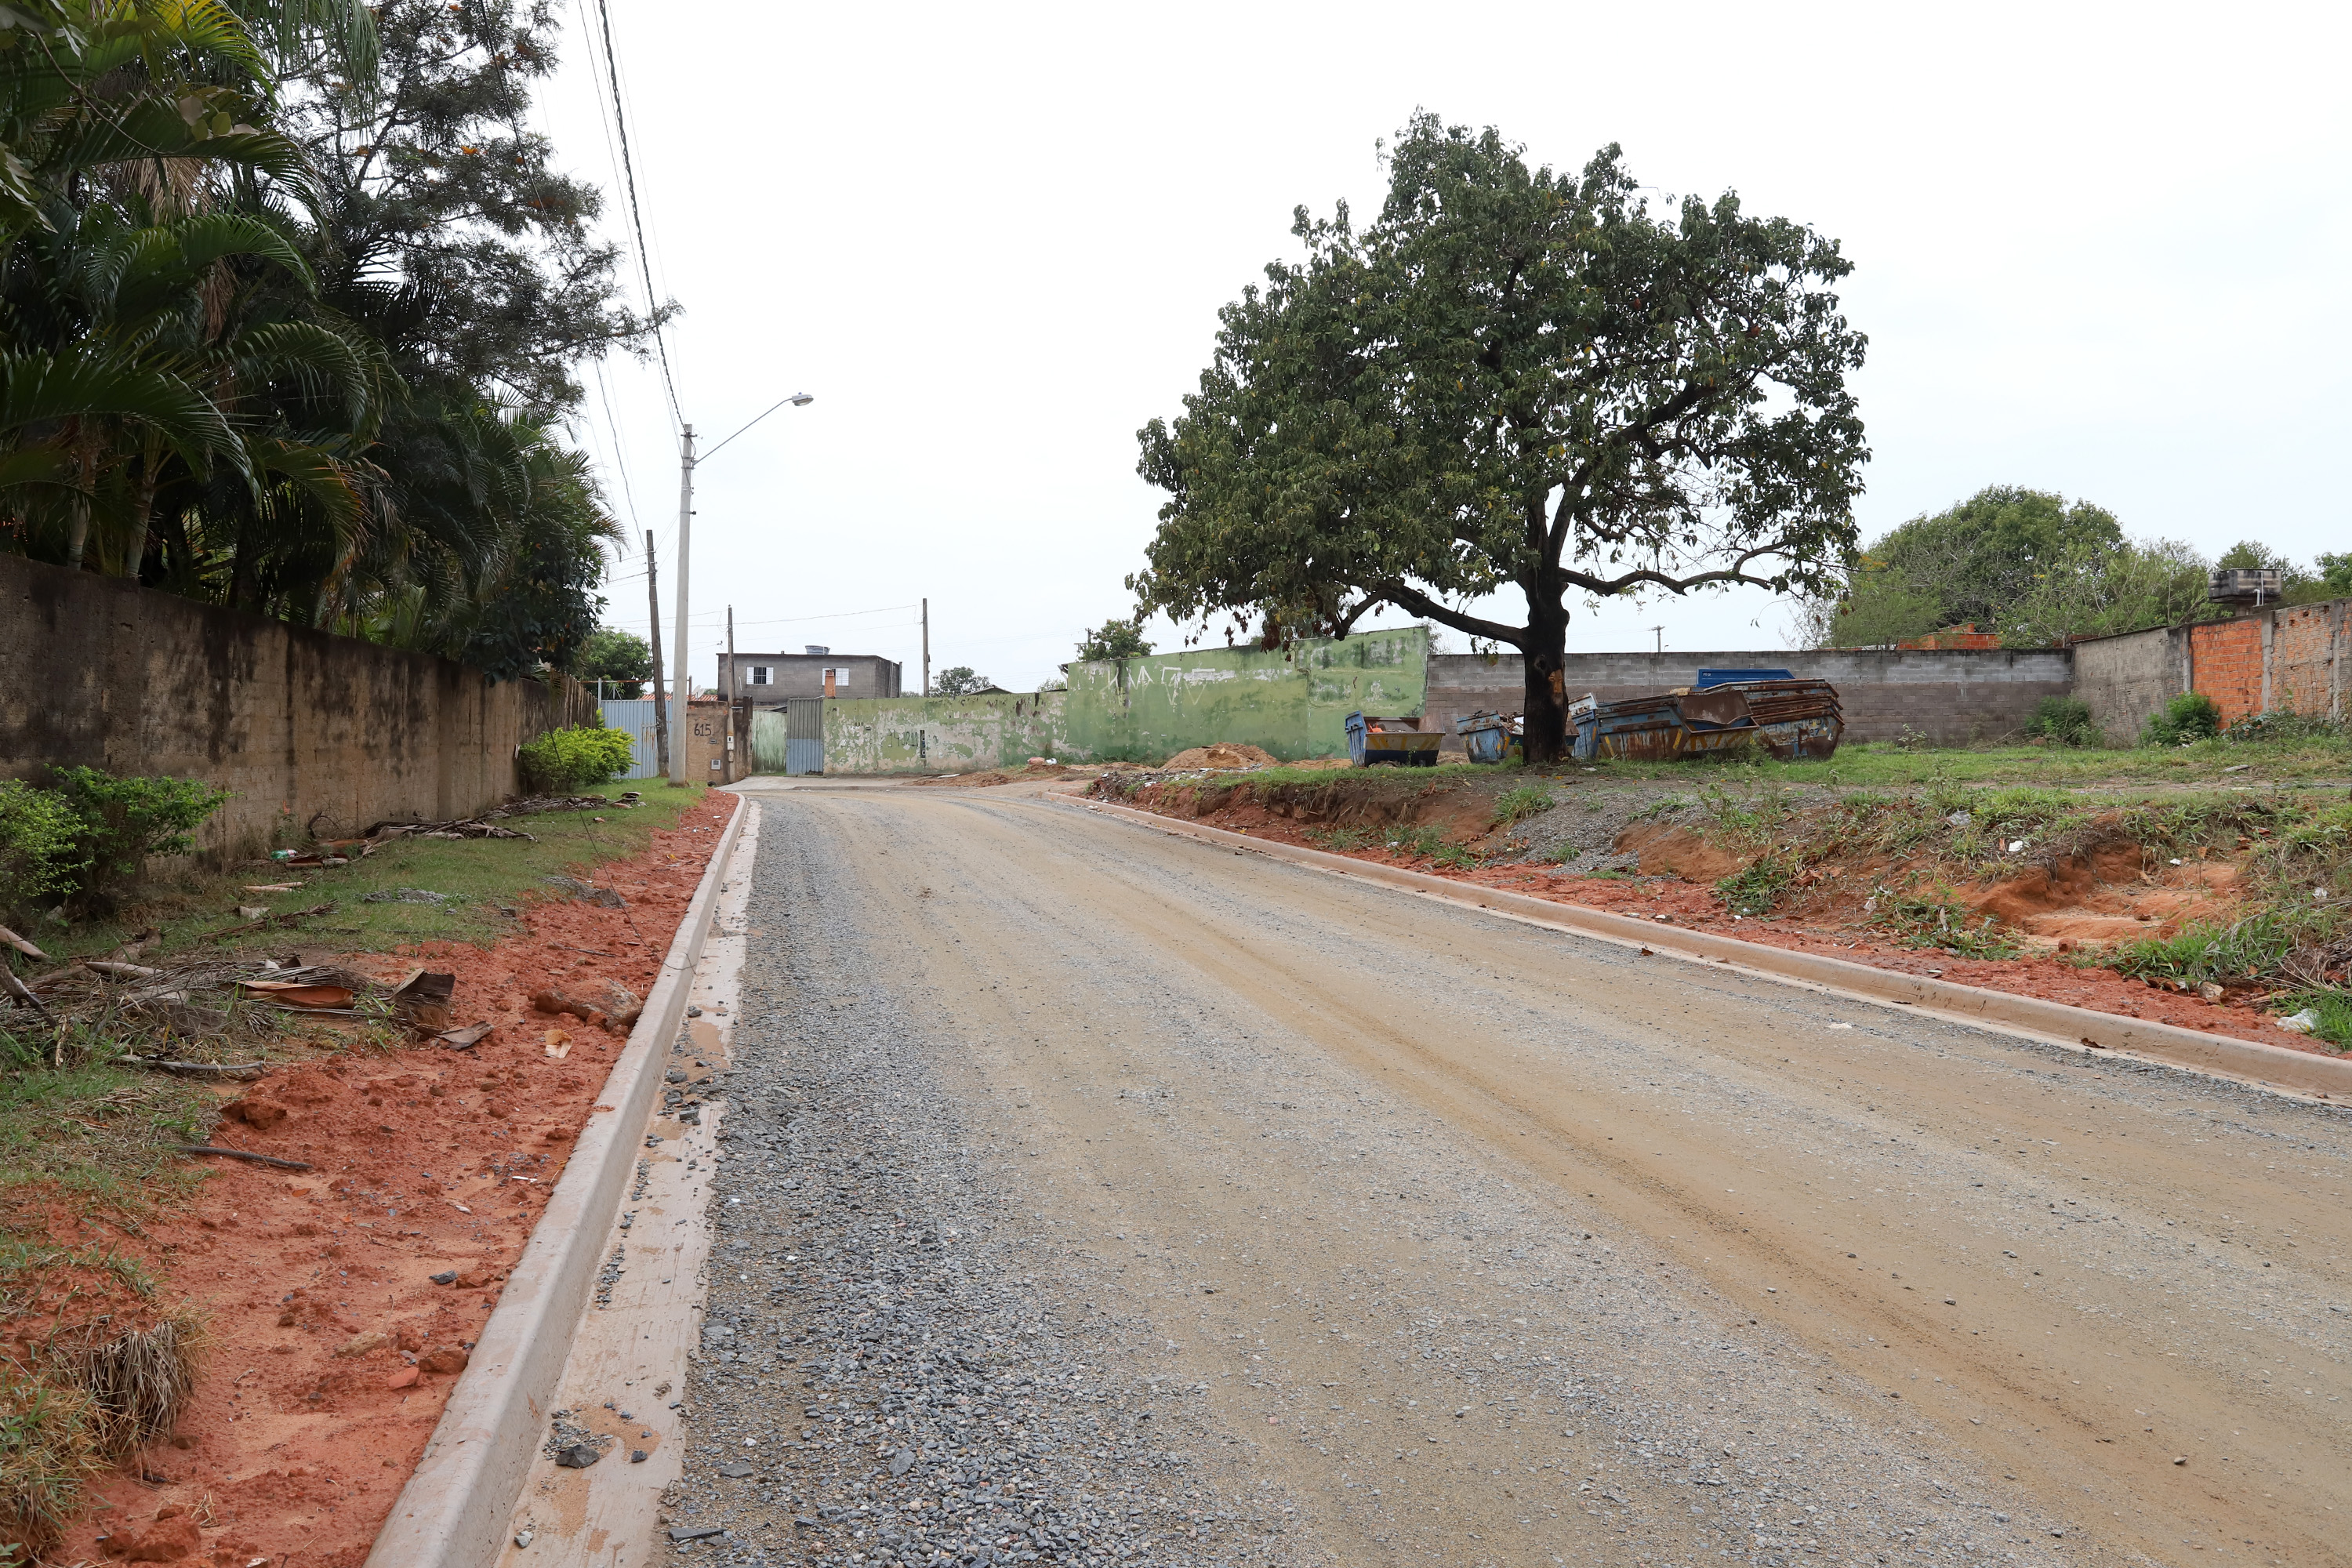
{"x": 564, "y": 762}
{"x": 2063, "y": 722}
{"x": 122, "y": 821}
{"x": 2191, "y": 716}
{"x": 37, "y": 843}
{"x": 2282, "y": 725}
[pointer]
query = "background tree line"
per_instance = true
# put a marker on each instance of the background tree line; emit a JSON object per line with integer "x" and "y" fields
{"x": 2036, "y": 571}
{"x": 291, "y": 301}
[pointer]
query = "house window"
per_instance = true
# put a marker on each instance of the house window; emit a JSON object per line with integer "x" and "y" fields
{"x": 760, "y": 674}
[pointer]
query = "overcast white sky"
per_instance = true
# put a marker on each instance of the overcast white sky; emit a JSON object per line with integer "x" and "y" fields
{"x": 2099, "y": 249}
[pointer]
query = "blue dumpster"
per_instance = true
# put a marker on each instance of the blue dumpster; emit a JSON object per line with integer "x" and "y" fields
{"x": 1386, "y": 743}
{"x": 1487, "y": 737}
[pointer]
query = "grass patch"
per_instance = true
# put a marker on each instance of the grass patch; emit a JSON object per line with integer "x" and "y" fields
{"x": 2249, "y": 949}
{"x": 1516, "y": 804}
{"x": 1759, "y": 889}
{"x": 489, "y": 878}
{"x": 1928, "y": 916}
{"x": 1412, "y": 842}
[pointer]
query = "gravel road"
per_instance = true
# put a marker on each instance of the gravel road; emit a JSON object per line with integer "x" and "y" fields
{"x": 1089, "y": 1195}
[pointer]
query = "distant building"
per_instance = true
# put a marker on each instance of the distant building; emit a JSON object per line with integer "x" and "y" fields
{"x": 768, "y": 678}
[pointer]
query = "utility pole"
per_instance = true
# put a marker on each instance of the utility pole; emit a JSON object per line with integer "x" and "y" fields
{"x": 661, "y": 708}
{"x": 684, "y": 528}
{"x": 730, "y": 769}
{"x": 1662, "y": 637}
{"x": 927, "y": 647}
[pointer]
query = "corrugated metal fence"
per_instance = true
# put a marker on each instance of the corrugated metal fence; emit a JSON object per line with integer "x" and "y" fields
{"x": 791, "y": 740}
{"x": 636, "y": 716}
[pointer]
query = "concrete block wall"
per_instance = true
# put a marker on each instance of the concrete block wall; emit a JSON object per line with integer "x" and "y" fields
{"x": 1952, "y": 696}
{"x": 300, "y": 725}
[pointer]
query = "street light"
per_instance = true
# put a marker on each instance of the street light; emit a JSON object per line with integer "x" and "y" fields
{"x": 686, "y": 461}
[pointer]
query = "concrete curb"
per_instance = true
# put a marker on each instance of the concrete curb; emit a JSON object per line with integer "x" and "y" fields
{"x": 453, "y": 1512}
{"x": 2077, "y": 1028}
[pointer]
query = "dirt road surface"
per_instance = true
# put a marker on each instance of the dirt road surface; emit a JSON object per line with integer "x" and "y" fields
{"x": 1094, "y": 1195}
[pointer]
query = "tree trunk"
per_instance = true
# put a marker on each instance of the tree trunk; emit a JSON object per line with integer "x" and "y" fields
{"x": 1545, "y": 721}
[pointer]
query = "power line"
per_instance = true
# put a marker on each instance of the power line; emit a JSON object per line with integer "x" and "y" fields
{"x": 636, "y": 218}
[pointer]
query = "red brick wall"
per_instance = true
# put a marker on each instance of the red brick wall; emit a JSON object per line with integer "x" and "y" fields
{"x": 2226, "y": 664}
{"x": 2301, "y": 668}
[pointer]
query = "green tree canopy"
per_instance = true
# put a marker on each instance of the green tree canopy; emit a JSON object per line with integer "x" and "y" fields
{"x": 620, "y": 659}
{"x": 960, "y": 680}
{"x": 1514, "y": 378}
{"x": 289, "y": 305}
{"x": 1115, "y": 639}
{"x": 1969, "y": 563}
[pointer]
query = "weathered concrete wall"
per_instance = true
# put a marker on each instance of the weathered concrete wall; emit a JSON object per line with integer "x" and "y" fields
{"x": 709, "y": 759}
{"x": 1950, "y": 695}
{"x": 2124, "y": 679}
{"x": 944, "y": 734}
{"x": 2310, "y": 665}
{"x": 299, "y": 725}
{"x": 1294, "y": 702}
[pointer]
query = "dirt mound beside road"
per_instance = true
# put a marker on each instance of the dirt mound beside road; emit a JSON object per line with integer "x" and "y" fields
{"x": 1224, "y": 756}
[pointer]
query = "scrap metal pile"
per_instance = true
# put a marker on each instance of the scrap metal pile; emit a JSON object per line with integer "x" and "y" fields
{"x": 1791, "y": 719}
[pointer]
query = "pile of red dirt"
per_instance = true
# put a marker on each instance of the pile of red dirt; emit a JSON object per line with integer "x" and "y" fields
{"x": 1221, "y": 756}
{"x": 339, "y": 1304}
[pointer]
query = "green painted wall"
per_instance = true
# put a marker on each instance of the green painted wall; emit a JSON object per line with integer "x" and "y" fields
{"x": 939, "y": 734}
{"x": 1294, "y": 703}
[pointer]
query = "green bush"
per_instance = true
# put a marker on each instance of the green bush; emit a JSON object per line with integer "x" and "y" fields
{"x": 37, "y": 843}
{"x": 2191, "y": 716}
{"x": 564, "y": 762}
{"x": 122, "y": 821}
{"x": 2063, "y": 722}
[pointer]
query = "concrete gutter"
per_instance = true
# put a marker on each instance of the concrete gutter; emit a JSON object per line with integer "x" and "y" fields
{"x": 453, "y": 1512}
{"x": 2080, "y": 1029}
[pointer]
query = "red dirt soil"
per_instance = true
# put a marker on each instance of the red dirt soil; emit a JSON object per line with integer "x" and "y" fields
{"x": 328, "y": 1349}
{"x": 1695, "y": 905}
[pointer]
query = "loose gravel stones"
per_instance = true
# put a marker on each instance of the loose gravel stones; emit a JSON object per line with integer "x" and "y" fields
{"x": 890, "y": 1371}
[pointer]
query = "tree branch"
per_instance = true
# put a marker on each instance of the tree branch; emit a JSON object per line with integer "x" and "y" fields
{"x": 1420, "y": 603}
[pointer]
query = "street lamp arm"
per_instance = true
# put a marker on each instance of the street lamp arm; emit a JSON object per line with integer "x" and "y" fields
{"x": 798, "y": 400}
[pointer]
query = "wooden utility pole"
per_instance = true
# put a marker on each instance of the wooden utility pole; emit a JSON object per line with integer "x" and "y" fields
{"x": 927, "y": 647}
{"x": 661, "y": 703}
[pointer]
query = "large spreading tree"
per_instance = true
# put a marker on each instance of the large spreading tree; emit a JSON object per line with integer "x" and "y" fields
{"x": 1512, "y": 378}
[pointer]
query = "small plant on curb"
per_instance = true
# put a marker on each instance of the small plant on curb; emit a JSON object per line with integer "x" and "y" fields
{"x": 1759, "y": 889}
{"x": 1931, "y": 917}
{"x": 564, "y": 762}
{"x": 2249, "y": 948}
{"x": 2330, "y": 1009}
